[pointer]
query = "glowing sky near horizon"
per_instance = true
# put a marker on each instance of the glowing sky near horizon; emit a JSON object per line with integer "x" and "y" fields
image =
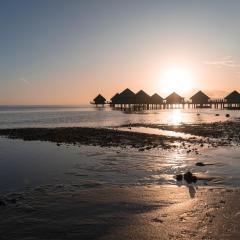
{"x": 68, "y": 51}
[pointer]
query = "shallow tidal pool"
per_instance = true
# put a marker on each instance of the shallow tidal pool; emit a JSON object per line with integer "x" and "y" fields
{"x": 25, "y": 164}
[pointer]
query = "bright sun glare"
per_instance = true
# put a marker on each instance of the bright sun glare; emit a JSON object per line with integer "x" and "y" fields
{"x": 176, "y": 80}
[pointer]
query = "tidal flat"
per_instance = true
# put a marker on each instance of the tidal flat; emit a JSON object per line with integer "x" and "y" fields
{"x": 118, "y": 183}
{"x": 140, "y": 212}
{"x": 220, "y": 133}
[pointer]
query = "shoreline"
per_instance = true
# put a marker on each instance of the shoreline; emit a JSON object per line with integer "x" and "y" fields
{"x": 99, "y": 211}
{"x": 123, "y": 213}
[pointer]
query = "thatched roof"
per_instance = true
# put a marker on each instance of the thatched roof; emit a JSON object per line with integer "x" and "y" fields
{"x": 99, "y": 99}
{"x": 200, "y": 94}
{"x": 233, "y": 97}
{"x": 127, "y": 93}
{"x": 126, "y": 97}
{"x": 200, "y": 97}
{"x": 142, "y": 97}
{"x": 156, "y": 99}
{"x": 115, "y": 98}
{"x": 174, "y": 98}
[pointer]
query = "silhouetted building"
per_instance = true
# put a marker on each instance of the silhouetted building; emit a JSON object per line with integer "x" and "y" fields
{"x": 233, "y": 97}
{"x": 200, "y": 99}
{"x": 115, "y": 99}
{"x": 142, "y": 98}
{"x": 156, "y": 99}
{"x": 99, "y": 100}
{"x": 174, "y": 98}
{"x": 126, "y": 97}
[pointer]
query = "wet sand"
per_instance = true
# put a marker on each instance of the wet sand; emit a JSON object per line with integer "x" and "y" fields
{"x": 160, "y": 212}
{"x": 129, "y": 212}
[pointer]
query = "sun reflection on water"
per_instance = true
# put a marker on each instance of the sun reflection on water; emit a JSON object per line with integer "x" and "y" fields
{"x": 176, "y": 117}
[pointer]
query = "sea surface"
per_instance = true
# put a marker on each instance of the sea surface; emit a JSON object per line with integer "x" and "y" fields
{"x": 90, "y": 116}
{"x": 25, "y": 164}
{"x": 30, "y": 164}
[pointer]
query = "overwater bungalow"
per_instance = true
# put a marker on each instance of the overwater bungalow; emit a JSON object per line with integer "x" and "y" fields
{"x": 200, "y": 100}
{"x": 128, "y": 100}
{"x": 115, "y": 99}
{"x": 99, "y": 100}
{"x": 233, "y": 100}
{"x": 156, "y": 99}
{"x": 126, "y": 97}
{"x": 174, "y": 100}
{"x": 142, "y": 98}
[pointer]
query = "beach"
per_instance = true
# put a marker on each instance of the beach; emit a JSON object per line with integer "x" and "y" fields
{"x": 159, "y": 212}
{"x": 119, "y": 120}
{"x": 121, "y": 181}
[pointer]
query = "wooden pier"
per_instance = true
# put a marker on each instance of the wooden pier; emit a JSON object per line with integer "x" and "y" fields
{"x": 129, "y": 101}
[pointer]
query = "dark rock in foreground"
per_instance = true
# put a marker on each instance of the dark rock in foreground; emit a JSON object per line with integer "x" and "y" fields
{"x": 179, "y": 177}
{"x": 189, "y": 177}
{"x": 200, "y": 164}
{"x": 2, "y": 202}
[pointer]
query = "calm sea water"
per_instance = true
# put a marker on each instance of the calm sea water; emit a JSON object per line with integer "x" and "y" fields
{"x": 30, "y": 164}
{"x": 25, "y": 164}
{"x": 56, "y": 116}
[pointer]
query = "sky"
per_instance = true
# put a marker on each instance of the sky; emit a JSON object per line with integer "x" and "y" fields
{"x": 68, "y": 51}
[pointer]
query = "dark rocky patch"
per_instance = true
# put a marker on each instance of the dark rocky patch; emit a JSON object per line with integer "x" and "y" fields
{"x": 189, "y": 177}
{"x": 93, "y": 136}
{"x": 200, "y": 164}
{"x": 215, "y": 134}
{"x": 2, "y": 203}
{"x": 179, "y": 177}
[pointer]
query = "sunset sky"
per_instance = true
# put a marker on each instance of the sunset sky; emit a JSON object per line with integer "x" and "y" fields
{"x": 68, "y": 51}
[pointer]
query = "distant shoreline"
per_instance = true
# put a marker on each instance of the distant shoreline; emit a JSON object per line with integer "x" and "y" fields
{"x": 44, "y": 105}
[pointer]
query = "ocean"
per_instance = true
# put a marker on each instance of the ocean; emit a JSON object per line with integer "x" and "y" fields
{"x": 25, "y": 164}
{"x": 90, "y": 116}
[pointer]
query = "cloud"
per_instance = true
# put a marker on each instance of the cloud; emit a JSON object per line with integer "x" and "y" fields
{"x": 224, "y": 62}
{"x": 25, "y": 81}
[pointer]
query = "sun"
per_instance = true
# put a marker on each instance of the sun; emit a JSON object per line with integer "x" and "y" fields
{"x": 176, "y": 79}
